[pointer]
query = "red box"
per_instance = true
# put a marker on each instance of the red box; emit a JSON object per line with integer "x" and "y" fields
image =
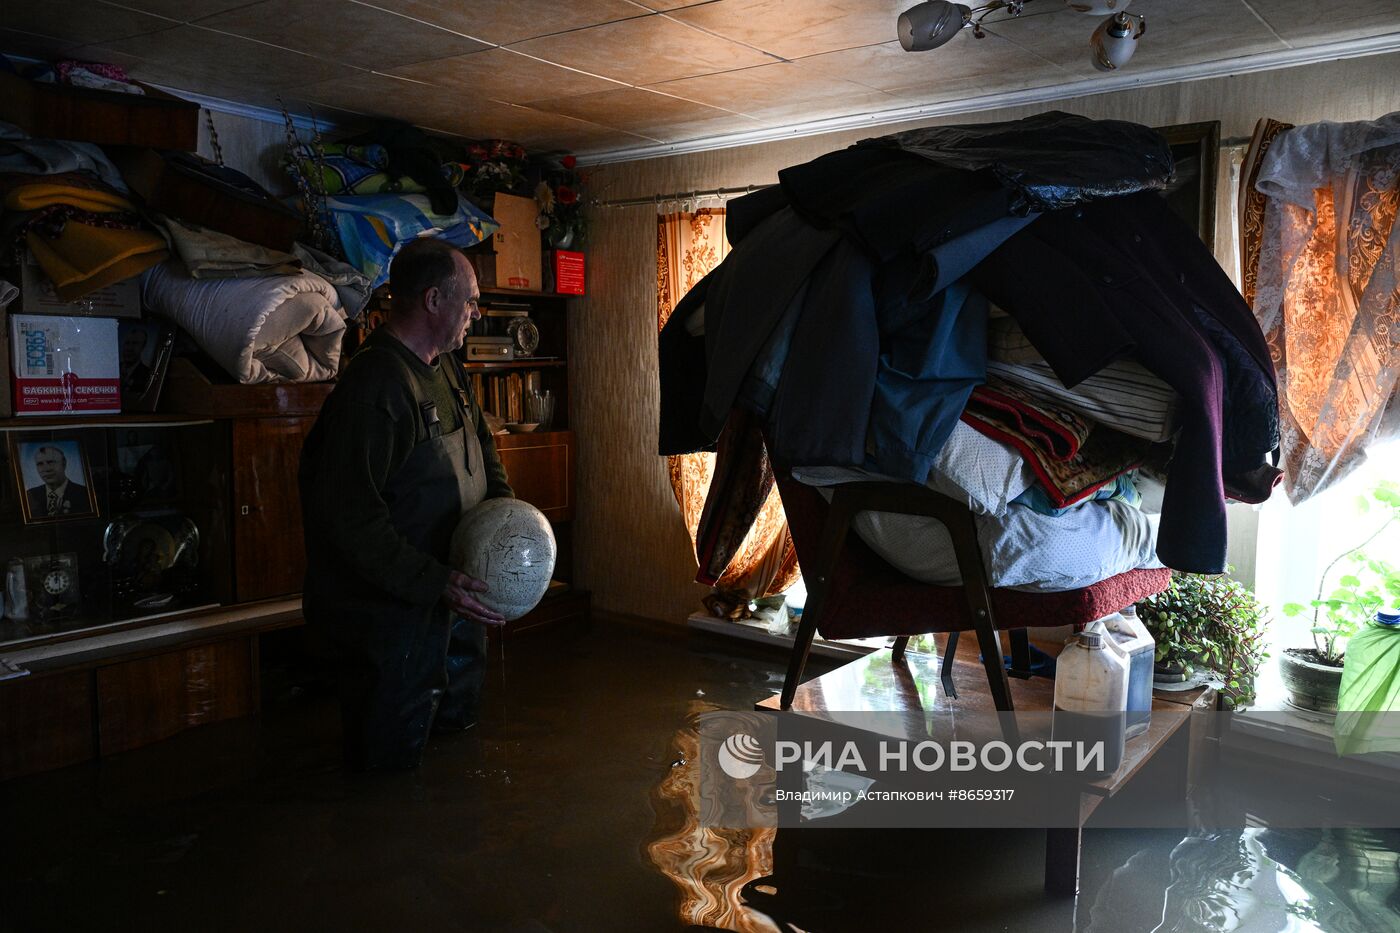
{"x": 568, "y": 272}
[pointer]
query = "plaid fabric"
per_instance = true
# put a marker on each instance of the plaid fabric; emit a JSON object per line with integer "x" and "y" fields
{"x": 1070, "y": 455}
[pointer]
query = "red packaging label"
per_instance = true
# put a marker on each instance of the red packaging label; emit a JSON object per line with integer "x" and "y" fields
{"x": 568, "y": 272}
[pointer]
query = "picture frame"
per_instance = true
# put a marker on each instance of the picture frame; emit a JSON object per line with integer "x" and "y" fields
{"x": 1195, "y": 149}
{"x": 57, "y": 466}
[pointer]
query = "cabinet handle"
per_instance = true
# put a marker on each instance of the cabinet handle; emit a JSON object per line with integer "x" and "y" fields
{"x": 247, "y": 509}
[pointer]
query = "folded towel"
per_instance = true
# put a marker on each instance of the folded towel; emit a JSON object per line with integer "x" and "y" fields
{"x": 1070, "y": 455}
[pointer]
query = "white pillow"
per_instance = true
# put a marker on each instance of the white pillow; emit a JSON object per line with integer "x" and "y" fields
{"x": 972, "y": 468}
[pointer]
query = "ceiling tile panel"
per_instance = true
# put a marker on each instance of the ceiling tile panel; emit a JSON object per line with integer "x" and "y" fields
{"x": 430, "y": 106}
{"x": 794, "y": 28}
{"x": 505, "y": 21}
{"x": 981, "y": 63}
{"x": 342, "y": 31}
{"x": 1178, "y": 33}
{"x": 503, "y": 75}
{"x": 1308, "y": 22}
{"x": 185, "y": 54}
{"x": 783, "y": 90}
{"x": 184, "y": 11}
{"x": 646, "y": 113}
{"x": 78, "y": 22}
{"x": 15, "y": 42}
{"x": 644, "y": 51}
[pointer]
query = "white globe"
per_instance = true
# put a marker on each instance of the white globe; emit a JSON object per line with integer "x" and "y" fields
{"x": 509, "y": 545}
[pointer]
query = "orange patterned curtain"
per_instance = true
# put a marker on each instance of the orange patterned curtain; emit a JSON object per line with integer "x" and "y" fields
{"x": 1321, "y": 249}
{"x": 688, "y": 246}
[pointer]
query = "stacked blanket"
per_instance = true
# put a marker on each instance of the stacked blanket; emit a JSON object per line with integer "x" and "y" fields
{"x": 283, "y": 328}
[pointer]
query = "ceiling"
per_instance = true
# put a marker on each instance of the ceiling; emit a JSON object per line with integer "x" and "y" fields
{"x": 639, "y": 76}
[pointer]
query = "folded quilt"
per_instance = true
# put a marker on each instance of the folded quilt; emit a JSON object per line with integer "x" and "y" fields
{"x": 285, "y": 328}
{"x": 1071, "y": 456}
{"x": 373, "y": 227}
{"x": 208, "y": 254}
{"x": 1123, "y": 395}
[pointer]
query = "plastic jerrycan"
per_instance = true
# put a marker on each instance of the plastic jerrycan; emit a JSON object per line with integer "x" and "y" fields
{"x": 1091, "y": 694}
{"x": 1131, "y": 639}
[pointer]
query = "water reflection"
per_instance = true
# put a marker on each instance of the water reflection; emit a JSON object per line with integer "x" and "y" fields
{"x": 709, "y": 866}
{"x": 1271, "y": 881}
{"x": 1254, "y": 880}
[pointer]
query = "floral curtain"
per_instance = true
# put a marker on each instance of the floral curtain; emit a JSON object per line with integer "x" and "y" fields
{"x": 688, "y": 246}
{"x": 1321, "y": 251}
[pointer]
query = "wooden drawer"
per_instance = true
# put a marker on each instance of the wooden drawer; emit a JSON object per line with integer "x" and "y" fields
{"x": 144, "y": 701}
{"x": 540, "y": 470}
{"x": 46, "y": 722}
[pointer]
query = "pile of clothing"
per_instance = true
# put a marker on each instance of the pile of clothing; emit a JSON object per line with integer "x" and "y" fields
{"x": 851, "y": 333}
{"x": 383, "y": 189}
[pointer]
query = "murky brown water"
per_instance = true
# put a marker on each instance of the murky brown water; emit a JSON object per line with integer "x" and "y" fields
{"x": 567, "y": 810}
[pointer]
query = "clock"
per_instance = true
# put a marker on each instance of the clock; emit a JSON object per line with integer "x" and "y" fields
{"x": 53, "y": 584}
{"x": 57, "y": 581}
{"x": 524, "y": 336}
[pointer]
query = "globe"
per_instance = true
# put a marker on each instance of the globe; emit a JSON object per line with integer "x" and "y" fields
{"x": 508, "y": 545}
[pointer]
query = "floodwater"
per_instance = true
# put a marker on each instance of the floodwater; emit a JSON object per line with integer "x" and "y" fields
{"x": 570, "y": 807}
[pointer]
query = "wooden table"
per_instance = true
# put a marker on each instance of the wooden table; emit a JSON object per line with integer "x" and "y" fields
{"x": 876, "y": 683}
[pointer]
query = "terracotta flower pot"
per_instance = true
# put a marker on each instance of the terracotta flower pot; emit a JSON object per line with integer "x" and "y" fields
{"x": 1311, "y": 684}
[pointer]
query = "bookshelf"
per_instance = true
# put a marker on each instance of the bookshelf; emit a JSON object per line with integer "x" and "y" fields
{"x": 540, "y": 464}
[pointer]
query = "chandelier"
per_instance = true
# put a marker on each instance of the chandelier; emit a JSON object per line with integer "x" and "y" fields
{"x": 932, "y": 23}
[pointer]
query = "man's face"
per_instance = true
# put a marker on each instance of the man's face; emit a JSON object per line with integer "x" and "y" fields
{"x": 50, "y": 465}
{"x": 459, "y": 304}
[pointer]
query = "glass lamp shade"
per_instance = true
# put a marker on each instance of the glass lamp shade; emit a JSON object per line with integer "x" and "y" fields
{"x": 931, "y": 24}
{"x": 1098, "y": 7}
{"x": 1114, "y": 42}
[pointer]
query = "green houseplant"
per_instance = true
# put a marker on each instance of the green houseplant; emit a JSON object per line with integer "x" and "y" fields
{"x": 1314, "y": 675}
{"x": 1211, "y": 625}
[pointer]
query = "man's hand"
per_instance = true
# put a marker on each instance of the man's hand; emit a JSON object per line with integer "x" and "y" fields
{"x": 459, "y": 597}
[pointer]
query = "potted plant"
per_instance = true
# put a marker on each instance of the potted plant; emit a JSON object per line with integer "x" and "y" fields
{"x": 1207, "y": 625}
{"x": 1313, "y": 675}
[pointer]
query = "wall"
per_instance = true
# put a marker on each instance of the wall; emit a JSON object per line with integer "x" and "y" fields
{"x": 252, "y": 146}
{"x": 631, "y": 549}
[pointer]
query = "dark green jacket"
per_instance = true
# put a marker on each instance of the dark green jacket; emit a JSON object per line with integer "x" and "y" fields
{"x": 365, "y": 432}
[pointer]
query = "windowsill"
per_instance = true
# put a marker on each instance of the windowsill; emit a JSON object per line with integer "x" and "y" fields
{"x": 758, "y": 632}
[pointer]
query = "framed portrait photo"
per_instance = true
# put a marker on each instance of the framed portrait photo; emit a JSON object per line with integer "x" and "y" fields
{"x": 54, "y": 481}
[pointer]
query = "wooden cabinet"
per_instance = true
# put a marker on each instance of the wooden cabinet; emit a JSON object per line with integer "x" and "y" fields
{"x": 149, "y": 699}
{"x": 540, "y": 469}
{"x": 267, "y": 425}
{"x": 269, "y": 551}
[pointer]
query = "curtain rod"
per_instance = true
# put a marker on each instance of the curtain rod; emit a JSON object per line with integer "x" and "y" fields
{"x": 721, "y": 193}
{"x": 683, "y": 196}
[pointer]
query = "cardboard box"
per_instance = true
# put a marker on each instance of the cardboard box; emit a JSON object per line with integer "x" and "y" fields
{"x": 517, "y": 243}
{"x": 37, "y": 295}
{"x": 568, "y": 269}
{"x": 64, "y": 365}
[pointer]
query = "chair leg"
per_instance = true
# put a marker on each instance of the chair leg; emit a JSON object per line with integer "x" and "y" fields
{"x": 950, "y": 650}
{"x": 1020, "y": 654}
{"x": 991, "y": 660}
{"x": 897, "y": 649}
{"x": 801, "y": 647}
{"x": 838, "y": 522}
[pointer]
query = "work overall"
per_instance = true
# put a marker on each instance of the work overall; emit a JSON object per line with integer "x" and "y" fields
{"x": 405, "y": 669}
